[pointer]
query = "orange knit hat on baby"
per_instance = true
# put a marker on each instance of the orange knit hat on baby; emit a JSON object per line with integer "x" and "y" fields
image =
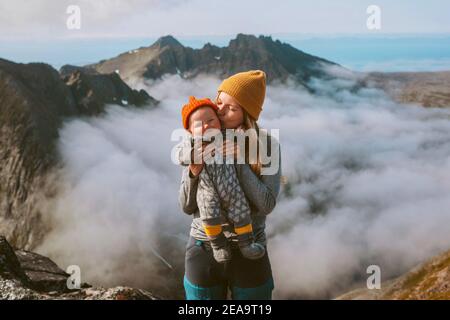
{"x": 192, "y": 105}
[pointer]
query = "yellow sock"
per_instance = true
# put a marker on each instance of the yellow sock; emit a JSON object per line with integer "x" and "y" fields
{"x": 212, "y": 230}
{"x": 244, "y": 229}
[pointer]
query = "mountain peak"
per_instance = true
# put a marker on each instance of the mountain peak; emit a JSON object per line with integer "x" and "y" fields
{"x": 243, "y": 36}
{"x": 244, "y": 39}
{"x": 248, "y": 40}
{"x": 167, "y": 41}
{"x": 245, "y": 52}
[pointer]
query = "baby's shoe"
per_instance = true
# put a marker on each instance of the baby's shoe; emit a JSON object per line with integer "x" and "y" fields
{"x": 252, "y": 251}
{"x": 221, "y": 249}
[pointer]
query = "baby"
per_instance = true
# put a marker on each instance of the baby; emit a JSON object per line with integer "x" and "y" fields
{"x": 219, "y": 191}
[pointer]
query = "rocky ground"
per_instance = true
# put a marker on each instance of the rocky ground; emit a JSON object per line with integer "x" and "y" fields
{"x": 428, "y": 281}
{"x": 428, "y": 89}
{"x": 28, "y": 275}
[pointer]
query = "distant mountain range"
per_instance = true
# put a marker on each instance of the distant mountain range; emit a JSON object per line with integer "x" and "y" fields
{"x": 168, "y": 56}
{"x": 428, "y": 89}
{"x": 279, "y": 60}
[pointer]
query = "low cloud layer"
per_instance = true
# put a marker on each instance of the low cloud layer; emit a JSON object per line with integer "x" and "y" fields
{"x": 368, "y": 183}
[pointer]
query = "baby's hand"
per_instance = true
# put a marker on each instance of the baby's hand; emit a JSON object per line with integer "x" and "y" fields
{"x": 240, "y": 129}
{"x": 196, "y": 165}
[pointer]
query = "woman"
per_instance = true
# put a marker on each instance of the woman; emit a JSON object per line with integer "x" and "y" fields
{"x": 240, "y": 100}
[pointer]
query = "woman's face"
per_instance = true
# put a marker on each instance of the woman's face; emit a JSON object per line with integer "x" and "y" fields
{"x": 231, "y": 114}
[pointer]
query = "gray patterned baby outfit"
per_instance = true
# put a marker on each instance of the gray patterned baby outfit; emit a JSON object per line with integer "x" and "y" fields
{"x": 219, "y": 194}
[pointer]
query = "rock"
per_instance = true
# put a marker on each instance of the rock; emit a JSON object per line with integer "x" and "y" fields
{"x": 33, "y": 102}
{"x": 10, "y": 266}
{"x": 93, "y": 91}
{"x": 428, "y": 281}
{"x": 14, "y": 290}
{"x": 28, "y": 275}
{"x": 32, "y": 270}
{"x": 43, "y": 274}
{"x": 68, "y": 69}
{"x": 117, "y": 293}
{"x": 168, "y": 56}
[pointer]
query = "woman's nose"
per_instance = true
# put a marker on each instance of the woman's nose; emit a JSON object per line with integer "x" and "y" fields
{"x": 221, "y": 111}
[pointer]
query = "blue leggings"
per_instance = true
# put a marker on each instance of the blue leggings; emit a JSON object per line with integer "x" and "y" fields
{"x": 206, "y": 279}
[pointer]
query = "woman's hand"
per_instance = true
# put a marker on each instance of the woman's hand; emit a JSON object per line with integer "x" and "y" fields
{"x": 230, "y": 148}
{"x": 197, "y": 154}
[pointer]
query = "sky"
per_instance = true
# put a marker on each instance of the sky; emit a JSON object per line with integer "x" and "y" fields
{"x": 413, "y": 35}
{"x": 46, "y": 19}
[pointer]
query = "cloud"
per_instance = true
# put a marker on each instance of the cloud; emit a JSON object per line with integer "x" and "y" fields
{"x": 368, "y": 183}
{"x": 45, "y": 19}
{"x": 101, "y": 18}
{"x": 116, "y": 214}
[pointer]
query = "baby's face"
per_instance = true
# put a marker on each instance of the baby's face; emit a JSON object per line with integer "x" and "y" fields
{"x": 208, "y": 118}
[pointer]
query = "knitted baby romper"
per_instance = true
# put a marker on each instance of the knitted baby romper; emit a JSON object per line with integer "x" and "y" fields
{"x": 219, "y": 192}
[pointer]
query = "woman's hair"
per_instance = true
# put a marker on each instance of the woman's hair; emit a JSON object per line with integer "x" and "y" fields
{"x": 250, "y": 123}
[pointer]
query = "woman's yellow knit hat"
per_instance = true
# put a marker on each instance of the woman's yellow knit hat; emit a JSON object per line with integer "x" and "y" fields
{"x": 248, "y": 88}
